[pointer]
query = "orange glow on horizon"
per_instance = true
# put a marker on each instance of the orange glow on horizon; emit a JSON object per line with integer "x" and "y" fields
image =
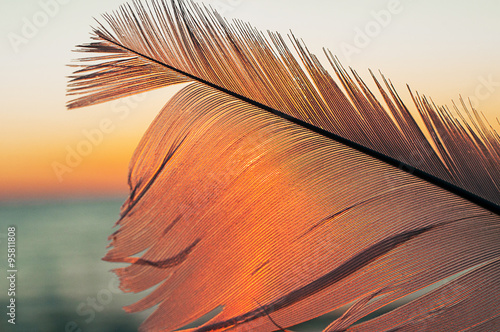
{"x": 78, "y": 153}
{"x": 47, "y": 174}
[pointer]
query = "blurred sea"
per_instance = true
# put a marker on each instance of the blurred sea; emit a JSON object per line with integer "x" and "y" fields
{"x": 62, "y": 283}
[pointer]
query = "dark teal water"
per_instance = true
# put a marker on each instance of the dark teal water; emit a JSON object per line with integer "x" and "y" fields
{"x": 62, "y": 284}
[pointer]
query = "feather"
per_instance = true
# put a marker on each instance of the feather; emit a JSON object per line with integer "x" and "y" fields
{"x": 272, "y": 190}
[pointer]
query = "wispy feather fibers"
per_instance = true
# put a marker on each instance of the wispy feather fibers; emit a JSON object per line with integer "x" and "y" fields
{"x": 279, "y": 193}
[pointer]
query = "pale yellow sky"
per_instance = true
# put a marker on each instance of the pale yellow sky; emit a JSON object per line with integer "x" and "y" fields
{"x": 442, "y": 49}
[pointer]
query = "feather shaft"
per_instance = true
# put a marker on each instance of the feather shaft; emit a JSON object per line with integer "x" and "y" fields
{"x": 491, "y": 206}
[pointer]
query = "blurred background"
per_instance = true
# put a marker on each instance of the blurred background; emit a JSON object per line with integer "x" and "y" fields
{"x": 63, "y": 173}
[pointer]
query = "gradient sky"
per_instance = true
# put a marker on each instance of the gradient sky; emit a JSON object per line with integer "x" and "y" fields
{"x": 441, "y": 49}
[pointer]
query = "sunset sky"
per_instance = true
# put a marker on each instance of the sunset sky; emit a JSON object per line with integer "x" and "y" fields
{"x": 441, "y": 49}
